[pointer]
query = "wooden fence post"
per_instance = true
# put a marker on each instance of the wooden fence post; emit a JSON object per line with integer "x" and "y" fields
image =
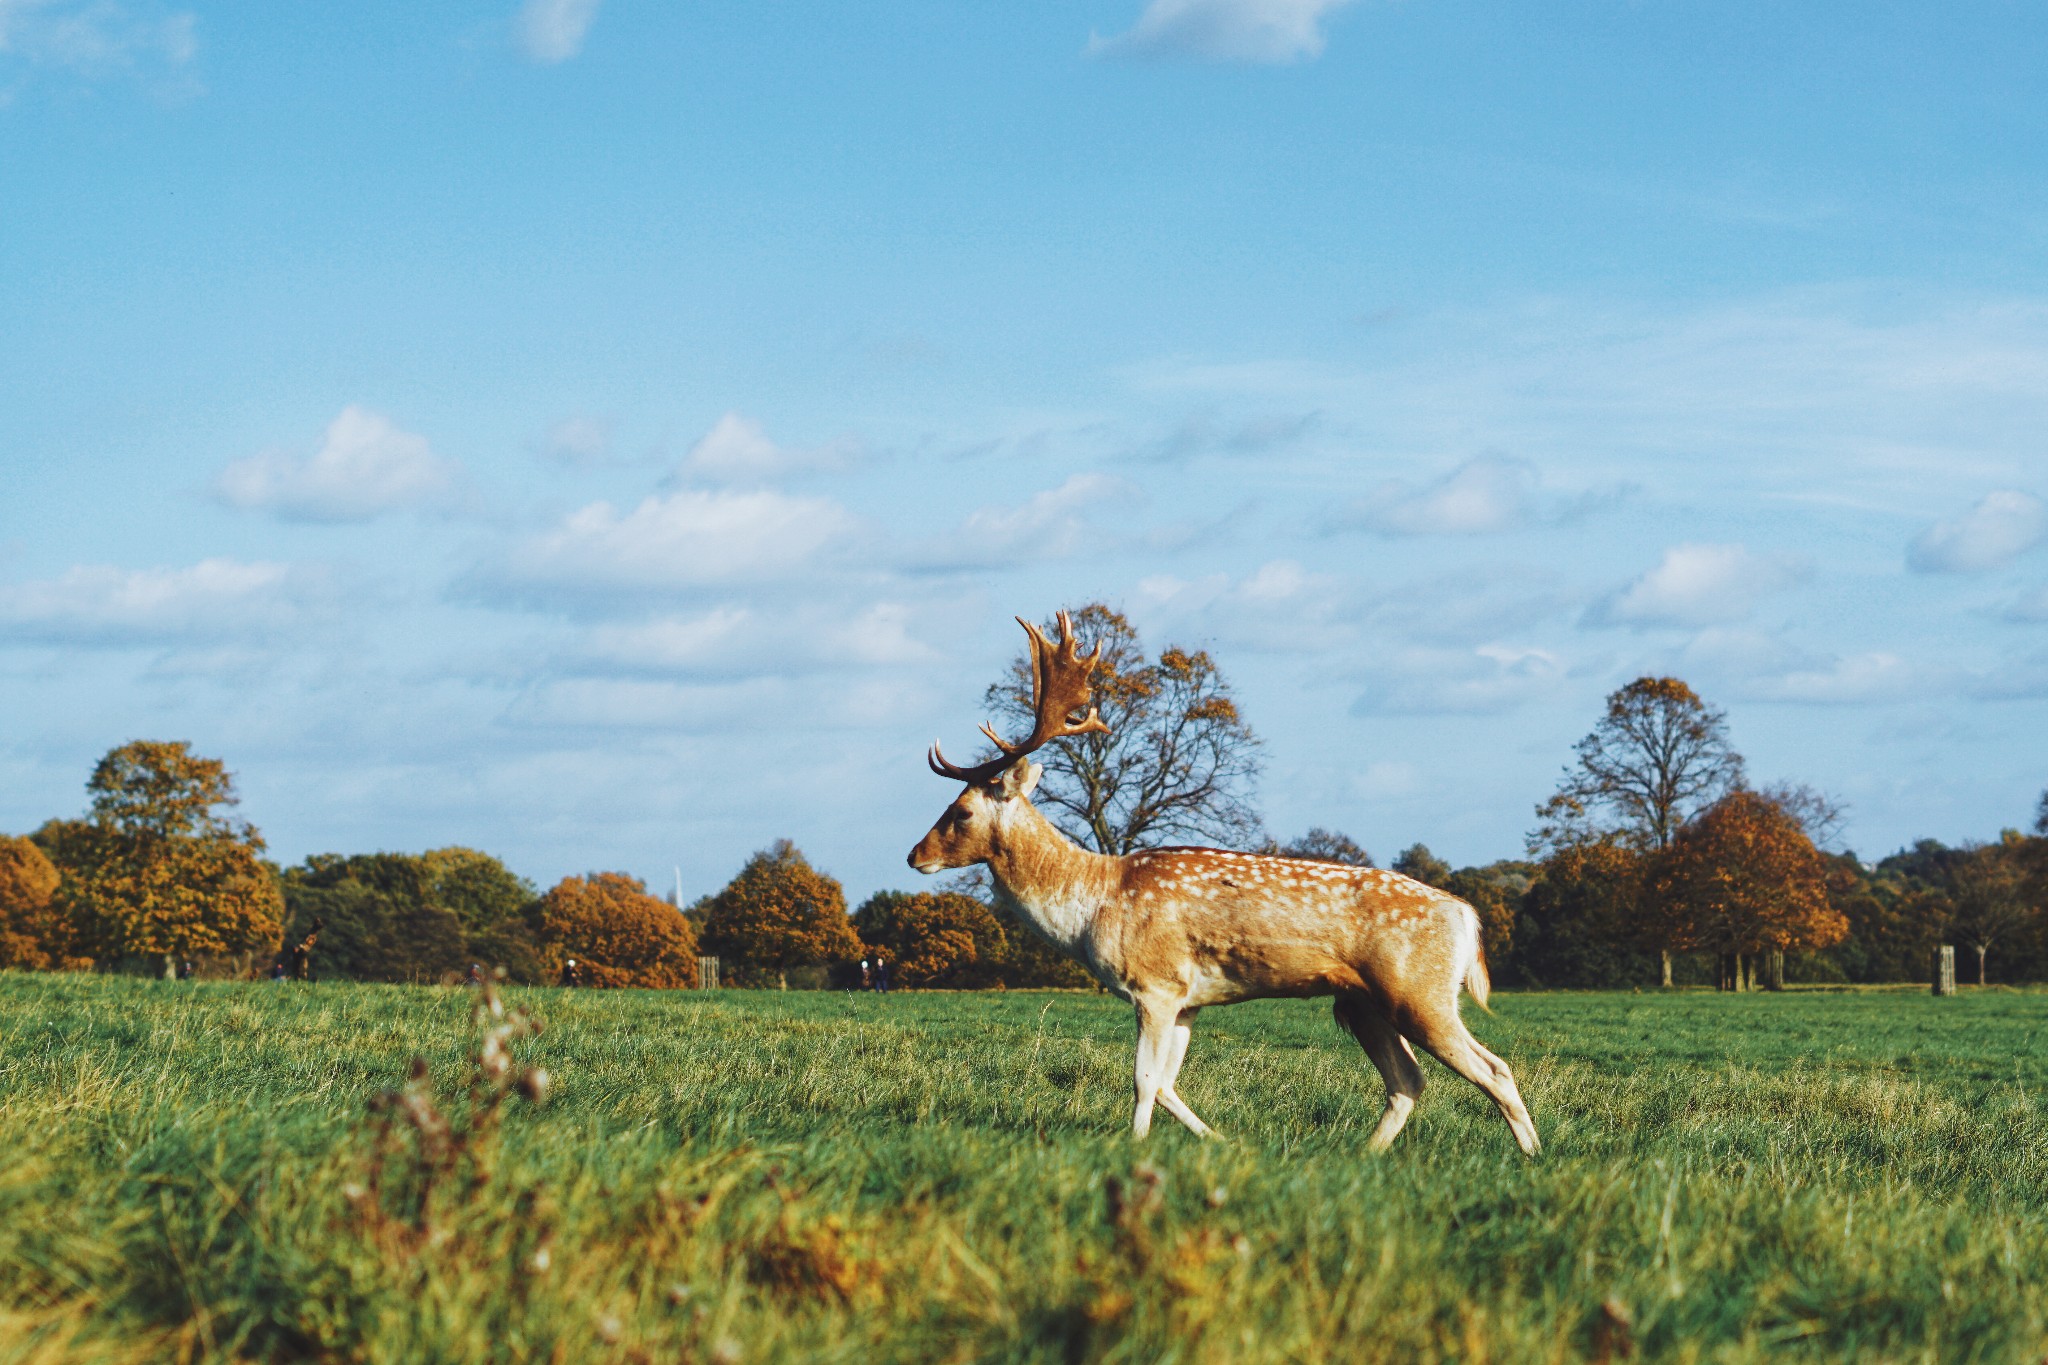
{"x": 1945, "y": 970}
{"x": 707, "y": 973}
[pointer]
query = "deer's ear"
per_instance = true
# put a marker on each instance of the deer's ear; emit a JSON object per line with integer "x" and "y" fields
{"x": 1020, "y": 779}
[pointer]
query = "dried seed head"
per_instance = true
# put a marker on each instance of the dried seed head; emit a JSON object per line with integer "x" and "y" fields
{"x": 726, "y": 1352}
{"x": 541, "y": 1259}
{"x": 610, "y": 1328}
{"x": 533, "y": 1083}
{"x": 418, "y": 1070}
{"x": 1218, "y": 1197}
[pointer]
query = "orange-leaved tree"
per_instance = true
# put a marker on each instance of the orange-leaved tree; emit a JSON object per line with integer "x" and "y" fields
{"x": 29, "y": 930}
{"x": 157, "y": 869}
{"x": 1743, "y": 878}
{"x": 617, "y": 933}
{"x": 779, "y": 913}
{"x": 934, "y": 938}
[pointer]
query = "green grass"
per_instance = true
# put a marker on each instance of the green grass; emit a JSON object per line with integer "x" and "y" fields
{"x": 756, "y": 1177}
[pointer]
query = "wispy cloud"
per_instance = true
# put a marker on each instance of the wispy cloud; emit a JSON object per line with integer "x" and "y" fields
{"x": 96, "y": 38}
{"x": 552, "y": 31}
{"x": 366, "y": 466}
{"x": 1997, "y": 529}
{"x": 579, "y": 440}
{"x": 671, "y": 542}
{"x": 737, "y": 450}
{"x": 101, "y": 605}
{"x": 1419, "y": 680}
{"x": 1698, "y": 585}
{"x": 1262, "y": 32}
{"x": 1048, "y": 525}
{"x": 1485, "y": 494}
{"x": 738, "y": 640}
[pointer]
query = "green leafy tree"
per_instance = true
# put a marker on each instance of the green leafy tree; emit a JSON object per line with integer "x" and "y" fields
{"x": 1178, "y": 764}
{"x": 158, "y": 868}
{"x": 1418, "y": 862}
{"x": 384, "y": 918}
{"x": 618, "y": 935}
{"x": 1321, "y": 845}
{"x": 1572, "y": 929}
{"x": 779, "y": 913}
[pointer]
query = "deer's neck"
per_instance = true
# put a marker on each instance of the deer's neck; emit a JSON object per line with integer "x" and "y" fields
{"x": 1047, "y": 878}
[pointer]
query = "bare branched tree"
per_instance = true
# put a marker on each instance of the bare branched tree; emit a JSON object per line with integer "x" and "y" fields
{"x": 1179, "y": 764}
{"x": 1988, "y": 894}
{"x": 1658, "y": 757}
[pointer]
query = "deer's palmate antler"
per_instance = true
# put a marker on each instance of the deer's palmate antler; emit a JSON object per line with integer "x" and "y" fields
{"x": 1059, "y": 689}
{"x": 1174, "y": 929}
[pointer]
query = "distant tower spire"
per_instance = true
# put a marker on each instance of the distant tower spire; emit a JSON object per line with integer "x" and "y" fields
{"x": 679, "y": 889}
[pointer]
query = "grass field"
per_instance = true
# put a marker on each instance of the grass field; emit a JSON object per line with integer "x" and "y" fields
{"x": 192, "y": 1171}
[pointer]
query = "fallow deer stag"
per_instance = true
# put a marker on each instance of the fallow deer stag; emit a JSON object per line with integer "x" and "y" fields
{"x": 1175, "y": 929}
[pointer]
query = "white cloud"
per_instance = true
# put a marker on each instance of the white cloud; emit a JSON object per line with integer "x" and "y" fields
{"x": 738, "y": 641}
{"x": 1698, "y": 585}
{"x": 1280, "y": 607}
{"x": 1266, "y": 32}
{"x": 1424, "y": 681}
{"x": 678, "y": 540}
{"x": 2000, "y": 527}
{"x": 578, "y": 440}
{"x": 366, "y": 466}
{"x": 1485, "y": 494}
{"x": 1048, "y": 525}
{"x": 736, "y": 450}
{"x": 552, "y": 31}
{"x": 95, "y": 38}
{"x": 98, "y": 604}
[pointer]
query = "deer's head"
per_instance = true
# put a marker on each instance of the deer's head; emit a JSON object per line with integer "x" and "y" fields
{"x": 971, "y": 829}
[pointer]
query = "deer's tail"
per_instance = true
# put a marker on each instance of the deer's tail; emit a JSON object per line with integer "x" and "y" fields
{"x": 1476, "y": 980}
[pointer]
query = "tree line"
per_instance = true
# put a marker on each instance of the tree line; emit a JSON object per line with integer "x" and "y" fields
{"x": 1656, "y": 860}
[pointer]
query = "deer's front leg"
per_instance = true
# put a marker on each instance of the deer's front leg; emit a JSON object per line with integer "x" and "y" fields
{"x": 1154, "y": 1061}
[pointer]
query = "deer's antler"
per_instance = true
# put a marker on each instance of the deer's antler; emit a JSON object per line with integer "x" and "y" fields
{"x": 1059, "y": 688}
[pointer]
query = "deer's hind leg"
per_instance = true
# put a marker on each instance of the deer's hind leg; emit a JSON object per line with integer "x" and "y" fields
{"x": 1169, "y": 1096}
{"x": 1389, "y": 1052}
{"x": 1445, "y": 1036}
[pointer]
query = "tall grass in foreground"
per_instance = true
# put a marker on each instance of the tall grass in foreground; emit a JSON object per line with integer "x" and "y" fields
{"x": 196, "y": 1172}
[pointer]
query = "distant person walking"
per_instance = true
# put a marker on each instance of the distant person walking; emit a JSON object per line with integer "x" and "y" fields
{"x": 881, "y": 974}
{"x": 302, "y": 953}
{"x": 277, "y": 971}
{"x": 570, "y": 975}
{"x": 476, "y": 975}
{"x": 867, "y": 976}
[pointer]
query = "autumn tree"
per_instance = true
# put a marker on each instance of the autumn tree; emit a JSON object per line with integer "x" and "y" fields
{"x": 1743, "y": 878}
{"x": 934, "y": 938}
{"x": 618, "y": 934}
{"x": 29, "y": 932}
{"x": 158, "y": 868}
{"x": 1658, "y": 756}
{"x": 1178, "y": 763}
{"x": 780, "y": 913}
{"x": 1987, "y": 893}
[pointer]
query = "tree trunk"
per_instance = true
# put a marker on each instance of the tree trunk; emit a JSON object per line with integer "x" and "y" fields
{"x": 1774, "y": 970}
{"x": 1981, "y": 949}
{"x": 171, "y": 967}
{"x": 781, "y": 980}
{"x": 1945, "y": 970}
{"x": 1666, "y": 963}
{"x": 1727, "y": 977}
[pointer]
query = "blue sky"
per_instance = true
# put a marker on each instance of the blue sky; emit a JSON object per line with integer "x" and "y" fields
{"x": 616, "y": 435}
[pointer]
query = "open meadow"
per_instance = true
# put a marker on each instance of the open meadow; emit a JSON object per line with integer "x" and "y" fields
{"x": 195, "y": 1171}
